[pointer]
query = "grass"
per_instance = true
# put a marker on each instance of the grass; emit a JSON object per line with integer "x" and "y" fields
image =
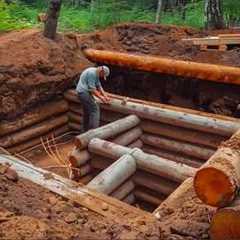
{"x": 18, "y": 16}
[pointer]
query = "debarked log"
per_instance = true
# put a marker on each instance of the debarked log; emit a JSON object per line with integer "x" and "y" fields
{"x": 193, "y": 162}
{"x": 35, "y": 116}
{"x": 190, "y": 119}
{"x": 182, "y": 134}
{"x": 36, "y": 142}
{"x": 204, "y": 71}
{"x": 151, "y": 163}
{"x": 225, "y": 223}
{"x": 32, "y": 132}
{"x": 107, "y": 131}
{"x": 116, "y": 174}
{"x": 203, "y": 153}
{"x": 124, "y": 190}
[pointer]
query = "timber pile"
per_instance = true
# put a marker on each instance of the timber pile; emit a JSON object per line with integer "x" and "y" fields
{"x": 44, "y": 121}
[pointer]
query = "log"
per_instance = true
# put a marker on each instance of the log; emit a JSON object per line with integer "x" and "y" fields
{"x": 36, "y": 115}
{"x": 128, "y": 137}
{"x": 179, "y": 147}
{"x": 32, "y": 132}
{"x": 218, "y": 181}
{"x": 78, "y": 158}
{"x": 72, "y": 117}
{"x": 75, "y": 126}
{"x": 36, "y": 142}
{"x": 82, "y": 171}
{"x": 116, "y": 174}
{"x": 225, "y": 223}
{"x": 130, "y": 199}
{"x": 190, "y": 119}
{"x": 193, "y": 162}
{"x": 136, "y": 144}
{"x": 182, "y": 134}
{"x": 107, "y": 131}
{"x": 150, "y": 163}
{"x": 124, "y": 190}
{"x": 203, "y": 71}
{"x": 146, "y": 197}
{"x": 100, "y": 162}
{"x": 154, "y": 182}
{"x": 86, "y": 179}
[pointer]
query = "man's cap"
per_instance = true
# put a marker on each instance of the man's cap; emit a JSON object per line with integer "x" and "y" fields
{"x": 106, "y": 71}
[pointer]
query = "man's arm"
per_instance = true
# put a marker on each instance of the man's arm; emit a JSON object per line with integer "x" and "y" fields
{"x": 104, "y": 94}
{"x": 98, "y": 94}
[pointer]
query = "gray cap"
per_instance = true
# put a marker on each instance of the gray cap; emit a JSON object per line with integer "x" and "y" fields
{"x": 106, "y": 71}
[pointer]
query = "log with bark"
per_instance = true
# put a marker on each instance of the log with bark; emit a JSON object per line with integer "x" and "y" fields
{"x": 188, "y": 149}
{"x": 203, "y": 71}
{"x": 182, "y": 134}
{"x": 218, "y": 181}
{"x": 190, "y": 119}
{"x": 116, "y": 174}
{"x": 33, "y": 132}
{"x": 107, "y": 131}
{"x": 181, "y": 158}
{"x": 35, "y": 116}
{"x": 150, "y": 163}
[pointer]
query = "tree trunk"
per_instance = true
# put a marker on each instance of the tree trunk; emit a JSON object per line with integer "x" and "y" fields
{"x": 50, "y": 28}
{"x": 159, "y": 8}
{"x": 214, "y": 14}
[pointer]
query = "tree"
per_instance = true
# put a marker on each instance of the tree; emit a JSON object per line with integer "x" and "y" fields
{"x": 159, "y": 8}
{"x": 214, "y": 14}
{"x": 50, "y": 28}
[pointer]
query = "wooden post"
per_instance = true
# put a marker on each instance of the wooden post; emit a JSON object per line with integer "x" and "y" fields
{"x": 112, "y": 177}
{"x": 150, "y": 163}
{"x": 124, "y": 190}
{"x": 178, "y": 147}
{"x": 218, "y": 181}
{"x": 50, "y": 28}
{"x": 107, "y": 131}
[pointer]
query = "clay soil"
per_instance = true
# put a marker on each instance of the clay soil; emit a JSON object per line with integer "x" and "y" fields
{"x": 34, "y": 69}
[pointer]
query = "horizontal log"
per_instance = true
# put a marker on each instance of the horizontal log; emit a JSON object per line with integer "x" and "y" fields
{"x": 116, "y": 174}
{"x": 78, "y": 158}
{"x": 136, "y": 144}
{"x": 218, "y": 181}
{"x": 34, "y": 116}
{"x": 86, "y": 179}
{"x": 190, "y": 119}
{"x": 176, "y": 146}
{"x": 190, "y": 161}
{"x": 107, "y": 131}
{"x": 124, "y": 190}
{"x": 75, "y": 126}
{"x": 151, "y": 163}
{"x": 225, "y": 224}
{"x": 72, "y": 117}
{"x": 154, "y": 182}
{"x": 182, "y": 134}
{"x": 203, "y": 71}
{"x": 100, "y": 162}
{"x": 128, "y": 137}
{"x": 130, "y": 199}
{"x": 32, "y": 132}
{"x": 146, "y": 197}
{"x": 36, "y": 142}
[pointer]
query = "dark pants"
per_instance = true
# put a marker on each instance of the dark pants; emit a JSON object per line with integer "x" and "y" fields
{"x": 91, "y": 111}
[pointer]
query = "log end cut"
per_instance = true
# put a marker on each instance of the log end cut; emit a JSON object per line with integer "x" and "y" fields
{"x": 225, "y": 225}
{"x": 214, "y": 187}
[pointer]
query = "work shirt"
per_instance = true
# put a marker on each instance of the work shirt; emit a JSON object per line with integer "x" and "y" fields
{"x": 89, "y": 81}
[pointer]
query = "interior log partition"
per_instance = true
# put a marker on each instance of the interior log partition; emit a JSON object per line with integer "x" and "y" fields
{"x": 204, "y": 71}
{"x": 218, "y": 181}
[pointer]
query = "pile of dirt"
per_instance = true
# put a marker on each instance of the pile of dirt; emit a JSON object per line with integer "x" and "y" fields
{"x": 28, "y": 211}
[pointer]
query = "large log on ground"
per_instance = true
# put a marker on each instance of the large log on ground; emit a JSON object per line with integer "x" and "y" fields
{"x": 116, "y": 174}
{"x": 218, "y": 181}
{"x": 151, "y": 163}
{"x": 204, "y": 71}
{"x": 182, "y": 134}
{"x": 177, "y": 146}
{"x": 191, "y": 119}
{"x": 193, "y": 162}
{"x": 32, "y": 132}
{"x": 225, "y": 224}
{"x": 36, "y": 142}
{"x": 124, "y": 190}
{"x": 107, "y": 131}
{"x": 36, "y": 115}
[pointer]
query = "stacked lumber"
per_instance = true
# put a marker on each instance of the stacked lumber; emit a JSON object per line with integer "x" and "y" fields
{"x": 41, "y": 122}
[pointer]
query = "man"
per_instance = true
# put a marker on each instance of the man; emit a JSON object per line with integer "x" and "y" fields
{"x": 89, "y": 85}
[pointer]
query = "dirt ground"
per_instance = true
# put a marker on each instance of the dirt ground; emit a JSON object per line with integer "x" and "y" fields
{"x": 34, "y": 69}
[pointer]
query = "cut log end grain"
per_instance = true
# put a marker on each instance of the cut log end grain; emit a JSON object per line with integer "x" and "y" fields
{"x": 214, "y": 187}
{"x": 225, "y": 225}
